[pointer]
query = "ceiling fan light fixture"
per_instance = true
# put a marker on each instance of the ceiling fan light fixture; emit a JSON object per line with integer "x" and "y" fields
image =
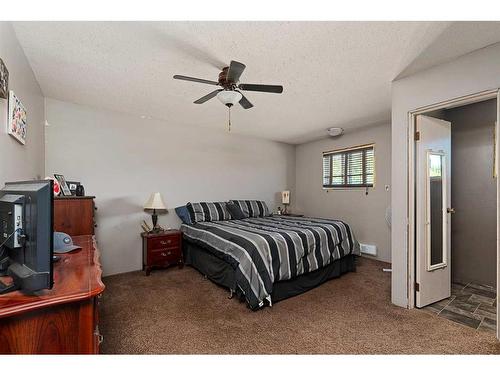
{"x": 229, "y": 98}
{"x": 335, "y": 132}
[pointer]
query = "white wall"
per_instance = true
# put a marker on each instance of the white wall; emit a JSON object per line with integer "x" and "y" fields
{"x": 366, "y": 213}
{"x": 121, "y": 159}
{"x": 18, "y": 162}
{"x": 472, "y": 73}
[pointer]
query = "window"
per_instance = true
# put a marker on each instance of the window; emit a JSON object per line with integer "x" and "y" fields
{"x": 352, "y": 167}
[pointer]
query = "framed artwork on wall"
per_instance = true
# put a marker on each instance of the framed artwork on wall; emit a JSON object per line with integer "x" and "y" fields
{"x": 4, "y": 80}
{"x": 17, "y": 118}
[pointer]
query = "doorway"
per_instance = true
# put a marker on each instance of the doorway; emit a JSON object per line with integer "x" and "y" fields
{"x": 455, "y": 213}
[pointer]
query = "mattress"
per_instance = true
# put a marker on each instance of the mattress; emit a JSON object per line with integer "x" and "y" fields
{"x": 267, "y": 250}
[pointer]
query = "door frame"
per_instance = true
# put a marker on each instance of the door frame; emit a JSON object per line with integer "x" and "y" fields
{"x": 411, "y": 157}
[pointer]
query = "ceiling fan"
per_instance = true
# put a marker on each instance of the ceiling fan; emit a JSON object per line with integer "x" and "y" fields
{"x": 229, "y": 93}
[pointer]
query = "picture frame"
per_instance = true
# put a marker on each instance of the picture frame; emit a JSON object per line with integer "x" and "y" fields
{"x": 73, "y": 185}
{"x": 17, "y": 119}
{"x": 64, "y": 186}
{"x": 4, "y": 81}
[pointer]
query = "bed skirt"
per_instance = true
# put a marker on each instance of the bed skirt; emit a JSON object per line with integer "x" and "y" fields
{"x": 222, "y": 273}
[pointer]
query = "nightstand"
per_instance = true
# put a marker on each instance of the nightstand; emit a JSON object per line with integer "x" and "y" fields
{"x": 161, "y": 249}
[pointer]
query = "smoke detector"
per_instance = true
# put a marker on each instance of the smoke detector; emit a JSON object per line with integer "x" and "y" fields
{"x": 335, "y": 132}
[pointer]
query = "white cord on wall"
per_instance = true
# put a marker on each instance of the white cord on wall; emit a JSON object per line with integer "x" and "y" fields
{"x": 388, "y": 220}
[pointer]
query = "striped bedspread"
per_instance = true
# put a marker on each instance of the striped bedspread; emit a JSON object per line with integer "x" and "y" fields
{"x": 268, "y": 249}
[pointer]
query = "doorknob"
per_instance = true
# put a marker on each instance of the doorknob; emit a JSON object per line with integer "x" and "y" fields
{"x": 450, "y": 210}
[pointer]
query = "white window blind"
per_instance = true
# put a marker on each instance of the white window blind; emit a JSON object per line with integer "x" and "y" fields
{"x": 352, "y": 167}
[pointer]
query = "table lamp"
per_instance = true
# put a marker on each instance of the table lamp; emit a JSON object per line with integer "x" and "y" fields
{"x": 155, "y": 202}
{"x": 285, "y": 199}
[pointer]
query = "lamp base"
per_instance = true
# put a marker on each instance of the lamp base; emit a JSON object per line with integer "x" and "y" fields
{"x": 156, "y": 227}
{"x": 285, "y": 210}
{"x": 154, "y": 218}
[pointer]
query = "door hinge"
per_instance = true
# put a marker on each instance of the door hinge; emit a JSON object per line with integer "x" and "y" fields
{"x": 417, "y": 287}
{"x": 417, "y": 136}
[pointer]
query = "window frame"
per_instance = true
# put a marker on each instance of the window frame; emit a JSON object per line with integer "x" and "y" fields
{"x": 345, "y": 151}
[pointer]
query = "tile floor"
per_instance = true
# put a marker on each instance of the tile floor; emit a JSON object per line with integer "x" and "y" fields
{"x": 472, "y": 305}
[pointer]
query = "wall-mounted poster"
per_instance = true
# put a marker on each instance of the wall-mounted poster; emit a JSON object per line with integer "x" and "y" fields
{"x": 17, "y": 118}
{"x": 4, "y": 80}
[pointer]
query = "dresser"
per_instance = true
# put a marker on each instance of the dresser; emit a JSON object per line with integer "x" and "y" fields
{"x": 62, "y": 320}
{"x": 74, "y": 215}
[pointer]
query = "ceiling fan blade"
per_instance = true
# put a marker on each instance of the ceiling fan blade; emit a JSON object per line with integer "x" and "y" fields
{"x": 244, "y": 102}
{"x": 207, "y": 97}
{"x": 199, "y": 80}
{"x": 262, "y": 88}
{"x": 235, "y": 70}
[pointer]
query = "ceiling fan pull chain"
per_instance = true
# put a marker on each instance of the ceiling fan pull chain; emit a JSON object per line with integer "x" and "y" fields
{"x": 229, "y": 124}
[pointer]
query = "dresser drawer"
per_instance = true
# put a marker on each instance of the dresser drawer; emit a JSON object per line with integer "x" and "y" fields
{"x": 168, "y": 255}
{"x": 164, "y": 242}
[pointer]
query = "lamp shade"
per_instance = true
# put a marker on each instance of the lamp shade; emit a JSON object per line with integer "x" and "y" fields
{"x": 285, "y": 197}
{"x": 155, "y": 202}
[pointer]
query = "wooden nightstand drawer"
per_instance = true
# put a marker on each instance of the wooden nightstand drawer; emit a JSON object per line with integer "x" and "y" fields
{"x": 170, "y": 256}
{"x": 163, "y": 242}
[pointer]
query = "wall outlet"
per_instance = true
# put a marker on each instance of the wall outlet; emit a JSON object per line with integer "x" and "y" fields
{"x": 368, "y": 249}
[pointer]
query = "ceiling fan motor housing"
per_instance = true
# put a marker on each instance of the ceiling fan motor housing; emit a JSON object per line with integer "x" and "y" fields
{"x": 223, "y": 81}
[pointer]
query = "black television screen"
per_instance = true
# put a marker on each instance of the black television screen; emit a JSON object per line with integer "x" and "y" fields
{"x": 26, "y": 235}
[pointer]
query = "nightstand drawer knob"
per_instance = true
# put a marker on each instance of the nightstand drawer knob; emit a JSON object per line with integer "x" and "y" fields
{"x": 166, "y": 254}
{"x": 167, "y": 242}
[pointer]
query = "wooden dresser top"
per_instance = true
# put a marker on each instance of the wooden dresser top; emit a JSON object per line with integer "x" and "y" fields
{"x": 77, "y": 276}
{"x": 63, "y": 197}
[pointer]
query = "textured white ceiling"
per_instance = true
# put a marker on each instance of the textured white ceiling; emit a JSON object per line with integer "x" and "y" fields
{"x": 333, "y": 73}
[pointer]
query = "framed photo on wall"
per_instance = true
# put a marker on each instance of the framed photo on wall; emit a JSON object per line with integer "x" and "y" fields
{"x": 64, "y": 186}
{"x": 17, "y": 118}
{"x": 4, "y": 81}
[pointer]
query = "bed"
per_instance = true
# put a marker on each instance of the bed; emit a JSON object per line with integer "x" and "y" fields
{"x": 270, "y": 258}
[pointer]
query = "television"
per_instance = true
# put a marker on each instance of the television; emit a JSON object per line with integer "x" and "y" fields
{"x": 26, "y": 235}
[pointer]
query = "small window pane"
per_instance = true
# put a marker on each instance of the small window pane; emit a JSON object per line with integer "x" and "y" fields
{"x": 337, "y": 165}
{"x": 338, "y": 180}
{"x": 369, "y": 179}
{"x": 370, "y": 161}
{"x": 355, "y": 180}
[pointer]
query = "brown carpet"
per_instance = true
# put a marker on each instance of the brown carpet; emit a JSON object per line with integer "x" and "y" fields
{"x": 178, "y": 311}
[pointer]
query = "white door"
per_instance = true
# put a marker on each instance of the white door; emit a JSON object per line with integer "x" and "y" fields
{"x": 433, "y": 199}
